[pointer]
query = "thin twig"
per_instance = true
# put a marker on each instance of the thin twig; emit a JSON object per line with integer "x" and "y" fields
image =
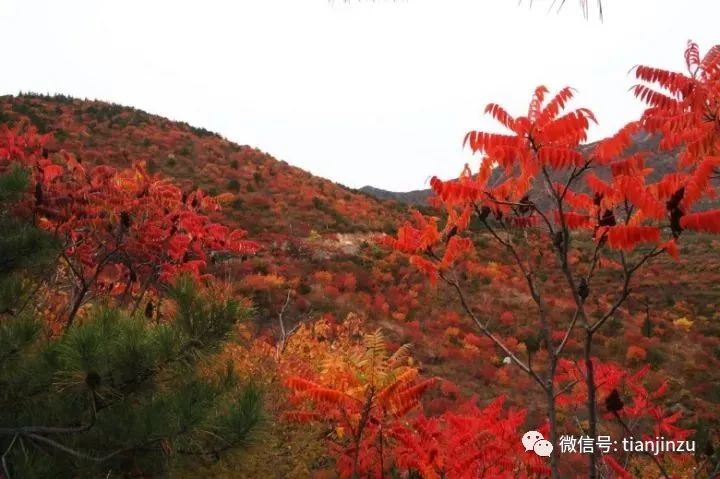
{"x": 625, "y": 292}
{"x": 7, "y": 451}
{"x": 284, "y": 334}
{"x": 565, "y": 338}
{"x": 567, "y": 387}
{"x": 647, "y": 453}
{"x": 483, "y": 328}
{"x": 73, "y": 452}
{"x": 25, "y": 430}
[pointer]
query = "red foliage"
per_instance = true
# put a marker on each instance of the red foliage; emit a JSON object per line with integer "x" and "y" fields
{"x": 470, "y": 442}
{"x": 531, "y": 178}
{"x": 640, "y": 405}
{"x": 121, "y": 231}
{"x": 628, "y": 237}
{"x": 707, "y": 221}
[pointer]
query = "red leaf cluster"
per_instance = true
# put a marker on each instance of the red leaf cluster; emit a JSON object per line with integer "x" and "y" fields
{"x": 121, "y": 230}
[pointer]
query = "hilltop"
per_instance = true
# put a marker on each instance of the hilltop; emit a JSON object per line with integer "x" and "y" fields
{"x": 263, "y": 189}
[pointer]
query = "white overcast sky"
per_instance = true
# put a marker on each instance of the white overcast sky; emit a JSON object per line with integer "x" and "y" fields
{"x": 376, "y": 93}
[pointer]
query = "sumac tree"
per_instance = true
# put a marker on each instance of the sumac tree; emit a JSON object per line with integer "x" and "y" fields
{"x": 541, "y": 194}
{"x": 122, "y": 232}
{"x": 362, "y": 395}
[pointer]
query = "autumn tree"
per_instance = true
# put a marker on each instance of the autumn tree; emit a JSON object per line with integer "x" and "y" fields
{"x": 542, "y": 195}
{"x": 122, "y": 232}
{"x": 362, "y": 394}
{"x": 117, "y": 392}
{"x": 371, "y": 404}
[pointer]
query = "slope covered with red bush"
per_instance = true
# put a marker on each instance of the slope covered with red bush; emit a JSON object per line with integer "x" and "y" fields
{"x": 270, "y": 196}
{"x": 317, "y": 261}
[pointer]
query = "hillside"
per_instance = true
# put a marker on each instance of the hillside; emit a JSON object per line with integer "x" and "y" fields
{"x": 307, "y": 226}
{"x": 319, "y": 261}
{"x": 263, "y": 189}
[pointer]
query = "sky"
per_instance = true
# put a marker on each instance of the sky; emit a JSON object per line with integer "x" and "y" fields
{"x": 379, "y": 93}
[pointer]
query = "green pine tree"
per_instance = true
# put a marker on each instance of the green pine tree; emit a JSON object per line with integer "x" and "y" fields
{"x": 117, "y": 394}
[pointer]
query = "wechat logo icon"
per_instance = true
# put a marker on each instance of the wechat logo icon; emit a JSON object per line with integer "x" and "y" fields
{"x": 534, "y": 441}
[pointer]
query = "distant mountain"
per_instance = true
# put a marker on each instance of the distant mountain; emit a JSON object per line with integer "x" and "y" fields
{"x": 661, "y": 161}
{"x": 415, "y": 197}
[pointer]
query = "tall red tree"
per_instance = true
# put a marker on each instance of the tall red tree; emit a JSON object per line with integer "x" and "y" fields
{"x": 538, "y": 193}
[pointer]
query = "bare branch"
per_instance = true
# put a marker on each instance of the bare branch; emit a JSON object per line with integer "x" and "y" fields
{"x": 625, "y": 292}
{"x": 77, "y": 274}
{"x": 578, "y": 309}
{"x": 7, "y": 451}
{"x": 484, "y": 329}
{"x": 285, "y": 335}
{"x": 73, "y": 452}
{"x": 567, "y": 387}
{"x": 280, "y": 315}
{"x": 531, "y": 205}
{"x": 647, "y": 453}
{"x": 569, "y": 330}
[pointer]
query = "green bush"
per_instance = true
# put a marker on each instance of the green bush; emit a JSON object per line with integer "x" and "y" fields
{"x": 237, "y": 204}
{"x": 151, "y": 166}
{"x": 655, "y": 357}
{"x": 304, "y": 288}
{"x": 61, "y": 135}
{"x": 233, "y": 185}
{"x": 318, "y": 203}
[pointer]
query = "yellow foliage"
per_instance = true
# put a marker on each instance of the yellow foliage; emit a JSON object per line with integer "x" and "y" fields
{"x": 225, "y": 198}
{"x": 263, "y": 281}
{"x": 683, "y": 323}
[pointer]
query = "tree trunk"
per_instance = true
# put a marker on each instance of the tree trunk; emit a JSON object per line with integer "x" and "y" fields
{"x": 591, "y": 406}
{"x": 554, "y": 473}
{"x": 76, "y": 307}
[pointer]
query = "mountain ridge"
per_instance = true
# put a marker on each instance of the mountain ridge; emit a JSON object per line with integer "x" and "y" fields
{"x": 258, "y": 187}
{"x": 660, "y": 160}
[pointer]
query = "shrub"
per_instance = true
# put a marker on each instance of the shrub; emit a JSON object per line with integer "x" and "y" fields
{"x": 233, "y": 185}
